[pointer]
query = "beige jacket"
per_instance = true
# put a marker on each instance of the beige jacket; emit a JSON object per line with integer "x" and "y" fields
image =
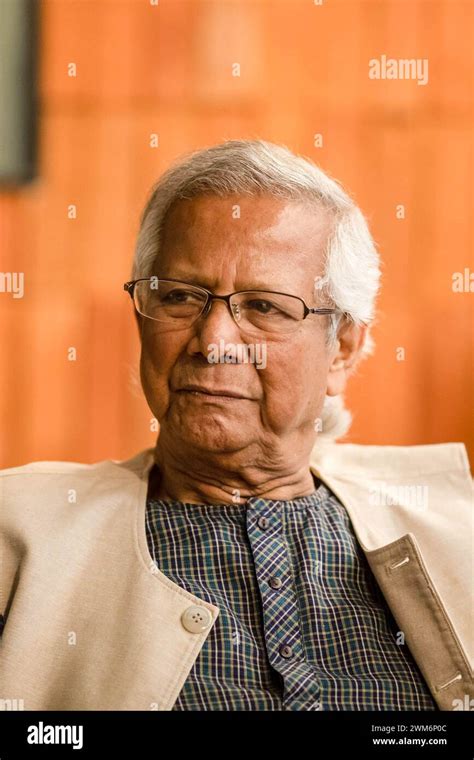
{"x": 92, "y": 624}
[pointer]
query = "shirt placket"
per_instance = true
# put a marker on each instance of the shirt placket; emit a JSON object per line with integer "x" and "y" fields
{"x": 283, "y": 640}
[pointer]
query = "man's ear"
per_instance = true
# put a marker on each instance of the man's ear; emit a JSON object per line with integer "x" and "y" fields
{"x": 344, "y": 356}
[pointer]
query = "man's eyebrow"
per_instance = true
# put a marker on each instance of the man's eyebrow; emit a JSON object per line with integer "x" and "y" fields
{"x": 203, "y": 283}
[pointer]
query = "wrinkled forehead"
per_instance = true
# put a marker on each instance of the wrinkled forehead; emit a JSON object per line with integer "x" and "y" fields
{"x": 241, "y": 242}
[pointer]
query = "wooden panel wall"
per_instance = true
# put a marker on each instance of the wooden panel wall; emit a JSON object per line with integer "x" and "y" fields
{"x": 167, "y": 69}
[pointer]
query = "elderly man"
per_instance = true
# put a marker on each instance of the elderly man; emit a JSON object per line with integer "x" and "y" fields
{"x": 248, "y": 561}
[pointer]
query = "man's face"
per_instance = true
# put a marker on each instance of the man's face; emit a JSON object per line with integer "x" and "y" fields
{"x": 274, "y": 245}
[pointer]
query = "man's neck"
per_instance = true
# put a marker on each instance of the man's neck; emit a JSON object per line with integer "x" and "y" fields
{"x": 195, "y": 482}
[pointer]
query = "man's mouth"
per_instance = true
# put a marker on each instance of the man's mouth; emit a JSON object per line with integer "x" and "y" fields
{"x": 205, "y": 391}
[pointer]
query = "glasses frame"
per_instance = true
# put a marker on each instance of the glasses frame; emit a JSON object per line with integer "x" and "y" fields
{"x": 210, "y": 296}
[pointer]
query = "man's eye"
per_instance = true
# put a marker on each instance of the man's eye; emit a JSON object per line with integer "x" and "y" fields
{"x": 261, "y": 307}
{"x": 178, "y": 296}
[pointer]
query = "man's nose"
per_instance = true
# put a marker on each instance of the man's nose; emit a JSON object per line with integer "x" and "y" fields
{"x": 215, "y": 324}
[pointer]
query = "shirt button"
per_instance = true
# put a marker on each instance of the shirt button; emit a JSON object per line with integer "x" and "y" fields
{"x": 275, "y": 582}
{"x": 262, "y": 523}
{"x": 286, "y": 651}
{"x": 196, "y": 619}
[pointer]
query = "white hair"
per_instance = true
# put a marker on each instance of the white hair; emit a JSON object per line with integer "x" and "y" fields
{"x": 351, "y": 277}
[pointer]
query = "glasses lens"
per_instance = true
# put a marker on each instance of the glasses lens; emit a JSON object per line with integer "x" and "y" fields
{"x": 167, "y": 301}
{"x": 268, "y": 312}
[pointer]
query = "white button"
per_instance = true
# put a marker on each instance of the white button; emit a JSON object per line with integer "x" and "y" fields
{"x": 196, "y": 619}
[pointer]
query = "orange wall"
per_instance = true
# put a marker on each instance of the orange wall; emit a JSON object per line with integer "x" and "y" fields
{"x": 304, "y": 70}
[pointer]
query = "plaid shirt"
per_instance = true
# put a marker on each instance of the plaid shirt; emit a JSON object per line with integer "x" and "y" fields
{"x": 303, "y": 624}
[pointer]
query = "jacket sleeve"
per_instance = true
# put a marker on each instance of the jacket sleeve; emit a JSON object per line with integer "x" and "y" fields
{"x": 10, "y": 558}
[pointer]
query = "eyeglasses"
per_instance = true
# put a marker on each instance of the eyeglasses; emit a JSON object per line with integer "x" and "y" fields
{"x": 180, "y": 304}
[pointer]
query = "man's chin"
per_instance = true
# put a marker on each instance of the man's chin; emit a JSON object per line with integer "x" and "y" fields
{"x": 212, "y": 436}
